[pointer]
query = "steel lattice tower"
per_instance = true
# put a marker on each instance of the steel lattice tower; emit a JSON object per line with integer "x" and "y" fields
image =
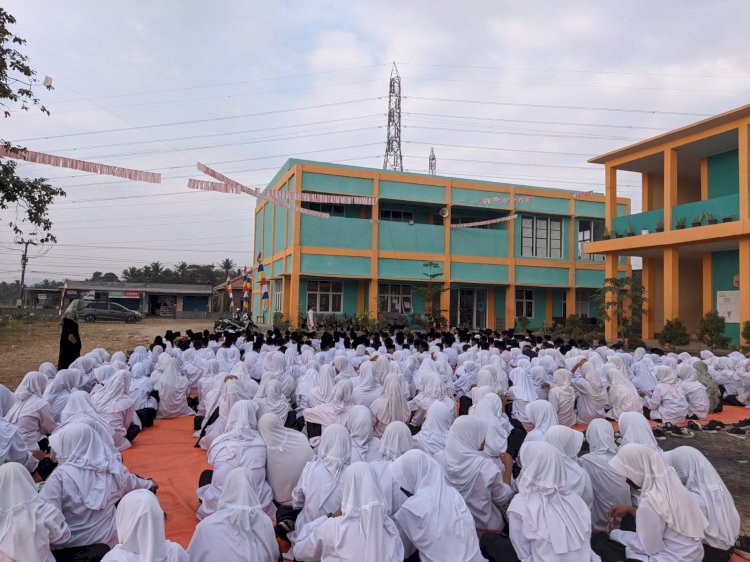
{"x": 432, "y": 168}
{"x": 393, "y": 160}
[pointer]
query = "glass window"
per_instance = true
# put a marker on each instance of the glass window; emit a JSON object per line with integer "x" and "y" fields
{"x": 327, "y": 296}
{"x": 524, "y": 303}
{"x": 277, "y": 298}
{"x": 590, "y": 230}
{"x": 395, "y": 298}
{"x": 582, "y": 304}
{"x": 541, "y": 237}
{"x": 396, "y": 216}
{"x": 333, "y": 210}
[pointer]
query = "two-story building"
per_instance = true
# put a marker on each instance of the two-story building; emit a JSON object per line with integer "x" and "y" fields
{"x": 694, "y": 231}
{"x": 371, "y": 258}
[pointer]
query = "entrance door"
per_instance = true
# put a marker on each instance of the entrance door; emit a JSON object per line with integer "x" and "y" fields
{"x": 466, "y": 307}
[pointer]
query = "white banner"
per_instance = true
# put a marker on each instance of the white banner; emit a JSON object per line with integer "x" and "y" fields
{"x": 506, "y": 199}
{"x": 482, "y": 223}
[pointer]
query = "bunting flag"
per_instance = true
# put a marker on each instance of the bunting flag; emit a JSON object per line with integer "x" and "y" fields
{"x": 47, "y": 82}
{"x": 245, "y": 287}
{"x": 82, "y": 165}
{"x": 584, "y": 194}
{"x": 236, "y": 187}
{"x": 263, "y": 289}
{"x": 62, "y": 297}
{"x": 229, "y": 291}
{"x": 482, "y": 223}
{"x": 506, "y": 199}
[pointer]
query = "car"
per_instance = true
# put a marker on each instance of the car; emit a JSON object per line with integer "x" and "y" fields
{"x": 104, "y": 310}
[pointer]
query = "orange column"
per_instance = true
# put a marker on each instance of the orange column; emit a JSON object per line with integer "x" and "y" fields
{"x": 645, "y": 192}
{"x": 491, "y": 307}
{"x": 670, "y": 188}
{"x": 610, "y": 325}
{"x": 372, "y": 294}
{"x": 294, "y": 284}
{"x": 610, "y": 191}
{"x": 570, "y": 296}
{"x": 744, "y": 281}
{"x": 445, "y": 296}
{"x": 649, "y": 307}
{"x": 744, "y": 154}
{"x": 708, "y": 289}
{"x": 548, "y": 310}
{"x": 671, "y": 283}
{"x": 510, "y": 290}
{"x": 510, "y": 307}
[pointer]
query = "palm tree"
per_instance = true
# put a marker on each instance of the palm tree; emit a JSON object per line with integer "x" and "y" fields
{"x": 227, "y": 265}
{"x": 182, "y": 269}
{"x": 132, "y": 274}
{"x": 155, "y": 271}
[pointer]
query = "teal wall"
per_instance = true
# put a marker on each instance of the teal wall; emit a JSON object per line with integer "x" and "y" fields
{"x": 258, "y": 240}
{"x": 622, "y": 210}
{"x": 411, "y": 191}
{"x": 277, "y": 268}
{"x": 335, "y": 265}
{"x": 723, "y": 174}
{"x": 472, "y": 198}
{"x": 279, "y": 242}
{"x": 499, "y": 306}
{"x": 589, "y": 278}
{"x": 405, "y": 237}
{"x": 488, "y": 273}
{"x": 267, "y": 231}
{"x": 589, "y": 209}
{"x": 289, "y": 264}
{"x": 565, "y": 239}
{"x": 725, "y": 265}
{"x": 336, "y": 184}
{"x": 544, "y": 205}
{"x": 547, "y": 276}
{"x": 335, "y": 232}
{"x": 402, "y": 269}
{"x": 486, "y": 242}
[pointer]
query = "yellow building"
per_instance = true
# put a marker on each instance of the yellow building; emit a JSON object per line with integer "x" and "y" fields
{"x": 694, "y": 231}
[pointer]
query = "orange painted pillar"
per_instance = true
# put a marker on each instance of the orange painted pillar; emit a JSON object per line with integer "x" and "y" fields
{"x": 744, "y": 281}
{"x": 491, "y": 307}
{"x": 548, "y": 309}
{"x": 372, "y": 294}
{"x": 671, "y": 283}
{"x": 510, "y": 307}
{"x": 649, "y": 307}
{"x": 708, "y": 289}
{"x": 294, "y": 280}
{"x": 670, "y": 188}
{"x": 744, "y": 170}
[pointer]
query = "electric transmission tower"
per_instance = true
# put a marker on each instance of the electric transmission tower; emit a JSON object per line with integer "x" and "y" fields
{"x": 393, "y": 159}
{"x": 433, "y": 163}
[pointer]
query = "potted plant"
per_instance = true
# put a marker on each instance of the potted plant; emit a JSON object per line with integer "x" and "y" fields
{"x": 606, "y": 234}
{"x": 680, "y": 223}
{"x": 630, "y": 231}
{"x": 616, "y": 233}
{"x": 728, "y": 218}
{"x": 710, "y": 219}
{"x": 660, "y": 225}
{"x": 697, "y": 220}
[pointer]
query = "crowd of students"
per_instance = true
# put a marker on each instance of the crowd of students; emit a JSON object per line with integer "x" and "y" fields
{"x": 378, "y": 447}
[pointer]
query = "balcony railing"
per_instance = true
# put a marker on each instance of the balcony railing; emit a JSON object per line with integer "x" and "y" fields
{"x": 405, "y": 237}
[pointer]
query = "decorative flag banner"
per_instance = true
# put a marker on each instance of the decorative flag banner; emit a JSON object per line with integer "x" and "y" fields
{"x": 584, "y": 194}
{"x": 286, "y": 195}
{"x": 482, "y": 223}
{"x": 82, "y": 165}
{"x": 62, "y": 297}
{"x": 245, "y": 287}
{"x": 236, "y": 187}
{"x": 264, "y": 290}
{"x": 229, "y": 290}
{"x": 506, "y": 199}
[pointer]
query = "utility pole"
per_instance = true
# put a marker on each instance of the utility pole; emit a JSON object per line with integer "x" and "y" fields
{"x": 24, "y": 262}
{"x": 433, "y": 162}
{"x": 393, "y": 159}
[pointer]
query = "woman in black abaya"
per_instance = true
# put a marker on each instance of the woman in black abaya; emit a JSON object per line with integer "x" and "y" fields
{"x": 70, "y": 340}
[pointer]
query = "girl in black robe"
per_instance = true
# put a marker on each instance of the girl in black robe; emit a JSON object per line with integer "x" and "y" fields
{"x": 70, "y": 340}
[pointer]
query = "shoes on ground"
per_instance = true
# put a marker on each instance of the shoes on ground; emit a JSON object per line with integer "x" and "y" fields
{"x": 694, "y": 426}
{"x": 659, "y": 434}
{"x": 713, "y": 426}
{"x": 737, "y": 432}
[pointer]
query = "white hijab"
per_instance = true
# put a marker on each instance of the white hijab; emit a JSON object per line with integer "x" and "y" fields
{"x": 523, "y": 388}
{"x": 569, "y": 441}
{"x": 699, "y": 476}
{"x": 365, "y": 447}
{"x": 434, "y": 433}
{"x": 542, "y": 416}
{"x": 79, "y": 409}
{"x": 113, "y": 397}
{"x": 29, "y": 397}
{"x": 7, "y": 399}
{"x": 661, "y": 486}
{"x": 287, "y": 454}
{"x": 545, "y": 502}
{"x": 462, "y": 459}
{"x": 367, "y": 389}
{"x": 323, "y": 391}
{"x": 634, "y": 428}
{"x": 58, "y": 390}
{"x": 392, "y": 404}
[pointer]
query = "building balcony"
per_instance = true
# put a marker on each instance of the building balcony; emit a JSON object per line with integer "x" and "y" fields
{"x": 405, "y": 237}
{"x": 483, "y": 242}
{"x": 336, "y": 232}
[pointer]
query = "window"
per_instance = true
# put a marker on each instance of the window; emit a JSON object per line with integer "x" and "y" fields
{"x": 394, "y": 298}
{"x": 277, "y": 289}
{"x": 589, "y": 230}
{"x": 333, "y": 210}
{"x": 582, "y": 304}
{"x": 541, "y": 237}
{"x": 396, "y": 216}
{"x": 327, "y": 296}
{"x": 524, "y": 303}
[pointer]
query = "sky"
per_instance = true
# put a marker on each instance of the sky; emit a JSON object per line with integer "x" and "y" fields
{"x": 519, "y": 92}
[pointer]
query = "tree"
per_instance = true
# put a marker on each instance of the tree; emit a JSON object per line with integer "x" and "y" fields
{"x": 132, "y": 275}
{"x": 30, "y": 197}
{"x": 227, "y": 266}
{"x": 431, "y": 294}
{"x": 674, "y": 333}
{"x": 746, "y": 336}
{"x": 711, "y": 330}
{"x": 621, "y": 298}
{"x": 182, "y": 269}
{"x": 154, "y": 272}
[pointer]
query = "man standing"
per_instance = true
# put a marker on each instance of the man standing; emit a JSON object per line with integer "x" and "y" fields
{"x": 312, "y": 318}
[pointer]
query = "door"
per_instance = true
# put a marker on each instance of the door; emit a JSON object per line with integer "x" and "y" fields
{"x": 466, "y": 307}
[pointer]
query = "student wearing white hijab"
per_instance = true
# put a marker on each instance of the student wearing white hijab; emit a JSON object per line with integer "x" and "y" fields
{"x": 695, "y": 393}
{"x": 667, "y": 402}
{"x": 622, "y": 395}
{"x": 363, "y": 531}
{"x": 569, "y": 441}
{"x": 239, "y": 445}
{"x": 669, "y": 524}
{"x": 434, "y": 520}
{"x": 541, "y": 415}
{"x": 239, "y": 530}
{"x": 608, "y": 486}
{"x": 13, "y": 448}
{"x": 27, "y": 523}
{"x": 521, "y": 393}
{"x": 547, "y": 522}
{"x": 270, "y": 399}
{"x": 391, "y": 405}
{"x": 343, "y": 368}
{"x": 334, "y": 412}
{"x": 490, "y": 410}
{"x": 434, "y": 433}
{"x": 318, "y": 491}
{"x": 287, "y": 453}
{"x": 482, "y": 484}
{"x": 114, "y": 405}
{"x": 592, "y": 395}
{"x": 31, "y": 413}
{"x": 395, "y": 442}
{"x": 365, "y": 447}
{"x": 367, "y": 388}
{"x": 7, "y": 399}
{"x": 58, "y": 390}
{"x": 431, "y": 390}
{"x": 706, "y": 487}
{"x": 562, "y": 396}
{"x": 635, "y": 428}
{"x": 86, "y": 486}
{"x": 323, "y": 391}
{"x": 140, "y": 532}
{"x": 79, "y": 409}
{"x": 173, "y": 391}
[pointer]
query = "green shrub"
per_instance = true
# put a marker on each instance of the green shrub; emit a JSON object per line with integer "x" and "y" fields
{"x": 674, "y": 333}
{"x": 280, "y": 321}
{"x": 711, "y": 330}
{"x": 522, "y": 323}
{"x": 746, "y": 336}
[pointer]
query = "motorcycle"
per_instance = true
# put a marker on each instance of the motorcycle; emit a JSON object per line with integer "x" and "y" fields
{"x": 237, "y": 323}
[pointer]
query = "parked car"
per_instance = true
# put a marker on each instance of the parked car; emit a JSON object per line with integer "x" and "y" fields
{"x": 103, "y": 310}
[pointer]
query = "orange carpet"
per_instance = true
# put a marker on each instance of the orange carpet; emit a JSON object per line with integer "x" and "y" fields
{"x": 166, "y": 454}
{"x": 730, "y": 414}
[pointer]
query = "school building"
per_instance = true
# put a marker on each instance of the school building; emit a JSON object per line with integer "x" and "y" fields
{"x": 694, "y": 231}
{"x": 371, "y": 258}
